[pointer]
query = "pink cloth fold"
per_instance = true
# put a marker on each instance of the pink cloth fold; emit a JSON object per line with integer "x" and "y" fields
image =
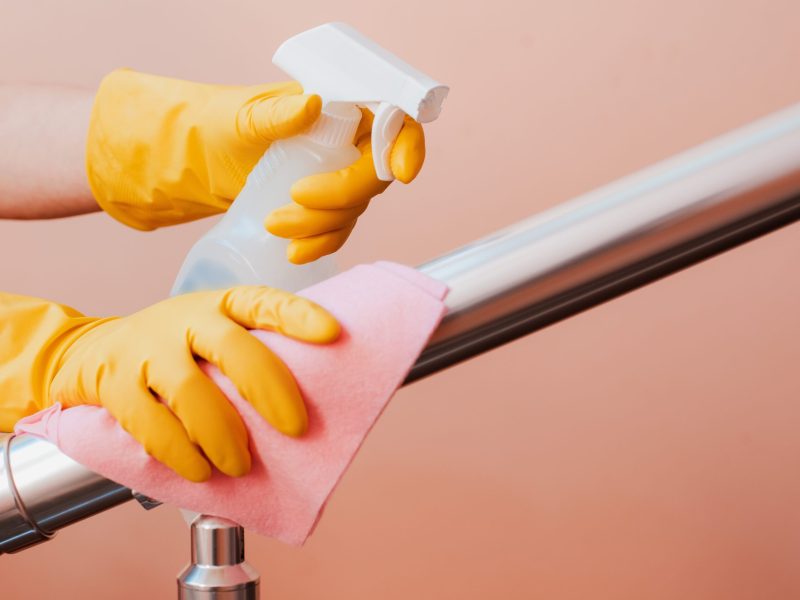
{"x": 387, "y": 312}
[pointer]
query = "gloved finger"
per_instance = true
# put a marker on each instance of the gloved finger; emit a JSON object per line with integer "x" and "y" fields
{"x": 159, "y": 431}
{"x": 277, "y": 117}
{"x": 352, "y": 186}
{"x": 260, "y": 376}
{"x": 309, "y": 249}
{"x": 364, "y": 130}
{"x": 208, "y": 417}
{"x": 261, "y": 307}
{"x": 408, "y": 152}
{"x": 295, "y": 221}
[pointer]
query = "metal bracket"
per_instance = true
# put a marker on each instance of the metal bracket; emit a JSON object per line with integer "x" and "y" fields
{"x": 146, "y": 502}
{"x": 43, "y": 534}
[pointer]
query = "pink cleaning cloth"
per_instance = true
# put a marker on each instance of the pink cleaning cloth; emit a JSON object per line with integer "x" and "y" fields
{"x": 387, "y": 312}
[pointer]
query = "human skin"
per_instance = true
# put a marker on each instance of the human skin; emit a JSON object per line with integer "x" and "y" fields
{"x": 42, "y": 151}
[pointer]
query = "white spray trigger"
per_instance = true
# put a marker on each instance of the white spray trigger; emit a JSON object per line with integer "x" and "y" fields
{"x": 387, "y": 124}
{"x": 342, "y": 65}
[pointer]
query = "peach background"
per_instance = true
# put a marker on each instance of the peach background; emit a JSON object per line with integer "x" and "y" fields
{"x": 646, "y": 449}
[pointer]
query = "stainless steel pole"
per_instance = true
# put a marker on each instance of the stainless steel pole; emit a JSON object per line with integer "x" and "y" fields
{"x": 218, "y": 570}
{"x": 617, "y": 238}
{"x": 43, "y": 490}
{"x": 549, "y": 267}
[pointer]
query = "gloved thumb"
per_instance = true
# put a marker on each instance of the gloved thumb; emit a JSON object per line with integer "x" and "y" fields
{"x": 280, "y": 117}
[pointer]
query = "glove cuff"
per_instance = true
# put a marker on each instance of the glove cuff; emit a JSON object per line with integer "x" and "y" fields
{"x": 140, "y": 136}
{"x": 37, "y": 333}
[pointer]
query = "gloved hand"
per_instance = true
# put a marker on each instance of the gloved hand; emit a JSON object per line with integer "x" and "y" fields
{"x": 120, "y": 363}
{"x": 326, "y": 206}
{"x": 162, "y": 151}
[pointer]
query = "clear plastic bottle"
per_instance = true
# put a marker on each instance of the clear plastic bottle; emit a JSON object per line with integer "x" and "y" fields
{"x": 238, "y": 250}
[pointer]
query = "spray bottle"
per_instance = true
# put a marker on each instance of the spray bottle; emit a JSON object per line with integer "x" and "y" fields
{"x": 347, "y": 70}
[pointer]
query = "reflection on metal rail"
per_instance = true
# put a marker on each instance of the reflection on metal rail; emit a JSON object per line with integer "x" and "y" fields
{"x": 544, "y": 269}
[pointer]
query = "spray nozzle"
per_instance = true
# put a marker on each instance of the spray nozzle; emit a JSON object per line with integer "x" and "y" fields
{"x": 342, "y": 65}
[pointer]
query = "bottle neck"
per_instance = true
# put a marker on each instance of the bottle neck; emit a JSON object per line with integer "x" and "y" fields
{"x": 336, "y": 126}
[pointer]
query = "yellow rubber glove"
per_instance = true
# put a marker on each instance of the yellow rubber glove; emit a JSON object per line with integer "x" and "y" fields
{"x": 162, "y": 151}
{"x": 51, "y": 353}
{"x": 325, "y": 207}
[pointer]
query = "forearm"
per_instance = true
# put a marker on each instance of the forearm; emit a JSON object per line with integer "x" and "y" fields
{"x": 42, "y": 151}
